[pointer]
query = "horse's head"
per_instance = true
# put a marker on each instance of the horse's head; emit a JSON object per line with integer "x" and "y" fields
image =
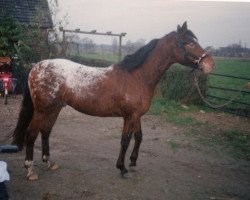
{"x": 189, "y": 51}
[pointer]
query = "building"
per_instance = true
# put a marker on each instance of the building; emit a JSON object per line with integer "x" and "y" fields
{"x": 35, "y": 17}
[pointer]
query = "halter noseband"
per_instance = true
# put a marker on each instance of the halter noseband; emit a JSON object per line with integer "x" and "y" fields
{"x": 186, "y": 54}
{"x": 200, "y": 58}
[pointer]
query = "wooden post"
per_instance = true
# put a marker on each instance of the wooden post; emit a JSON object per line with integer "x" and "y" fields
{"x": 93, "y": 32}
{"x": 120, "y": 48}
{"x": 63, "y": 45}
{"x": 77, "y": 48}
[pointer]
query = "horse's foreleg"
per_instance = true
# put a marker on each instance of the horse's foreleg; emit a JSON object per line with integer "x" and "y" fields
{"x": 134, "y": 154}
{"x": 125, "y": 140}
{"x": 131, "y": 126}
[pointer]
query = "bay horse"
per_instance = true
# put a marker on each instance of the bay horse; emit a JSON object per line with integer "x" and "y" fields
{"x": 124, "y": 89}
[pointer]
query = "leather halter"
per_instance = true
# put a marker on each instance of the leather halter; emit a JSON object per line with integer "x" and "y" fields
{"x": 186, "y": 54}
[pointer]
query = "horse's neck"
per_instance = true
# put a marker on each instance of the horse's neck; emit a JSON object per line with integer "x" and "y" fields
{"x": 159, "y": 61}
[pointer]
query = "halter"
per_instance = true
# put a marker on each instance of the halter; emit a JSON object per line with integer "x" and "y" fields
{"x": 197, "y": 60}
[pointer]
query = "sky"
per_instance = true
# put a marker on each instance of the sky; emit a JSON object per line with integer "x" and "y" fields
{"x": 214, "y": 23}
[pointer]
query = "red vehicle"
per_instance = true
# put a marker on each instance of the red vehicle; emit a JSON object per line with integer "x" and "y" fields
{"x": 7, "y": 82}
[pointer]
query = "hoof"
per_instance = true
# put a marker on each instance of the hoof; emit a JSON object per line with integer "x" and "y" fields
{"x": 132, "y": 168}
{"x": 32, "y": 177}
{"x": 127, "y": 176}
{"x": 53, "y": 166}
{"x": 132, "y": 164}
{"x": 124, "y": 171}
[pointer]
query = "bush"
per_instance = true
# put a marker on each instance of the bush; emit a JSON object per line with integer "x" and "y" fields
{"x": 178, "y": 84}
{"x": 20, "y": 72}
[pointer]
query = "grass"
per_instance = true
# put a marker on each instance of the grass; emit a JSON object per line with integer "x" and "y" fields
{"x": 173, "y": 110}
{"x": 235, "y": 68}
{"x": 236, "y": 142}
{"x": 173, "y": 145}
{"x": 110, "y": 57}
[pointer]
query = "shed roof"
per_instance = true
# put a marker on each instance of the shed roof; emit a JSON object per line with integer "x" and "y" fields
{"x": 27, "y": 12}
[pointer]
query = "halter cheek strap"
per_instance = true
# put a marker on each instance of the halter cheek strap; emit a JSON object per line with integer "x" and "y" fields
{"x": 197, "y": 60}
{"x": 186, "y": 54}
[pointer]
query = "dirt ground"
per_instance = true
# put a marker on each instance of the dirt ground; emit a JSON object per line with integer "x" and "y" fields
{"x": 171, "y": 165}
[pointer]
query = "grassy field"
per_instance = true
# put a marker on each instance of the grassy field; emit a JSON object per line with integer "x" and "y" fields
{"x": 236, "y": 67}
{"x": 113, "y": 58}
{"x": 234, "y": 140}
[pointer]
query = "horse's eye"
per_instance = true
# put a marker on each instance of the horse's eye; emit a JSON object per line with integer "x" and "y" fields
{"x": 192, "y": 45}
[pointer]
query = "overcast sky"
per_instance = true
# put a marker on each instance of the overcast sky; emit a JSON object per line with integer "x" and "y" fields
{"x": 214, "y": 23}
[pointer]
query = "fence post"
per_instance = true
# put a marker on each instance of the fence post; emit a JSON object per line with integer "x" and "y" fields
{"x": 93, "y": 32}
{"x": 120, "y": 48}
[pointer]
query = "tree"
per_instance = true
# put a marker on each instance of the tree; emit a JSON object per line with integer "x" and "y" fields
{"x": 12, "y": 45}
{"x": 139, "y": 43}
{"x": 56, "y": 45}
{"x": 88, "y": 45}
{"x": 129, "y": 47}
{"x": 11, "y": 38}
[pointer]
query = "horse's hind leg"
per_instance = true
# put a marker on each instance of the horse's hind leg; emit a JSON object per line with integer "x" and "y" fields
{"x": 32, "y": 133}
{"x": 45, "y": 134}
{"x": 45, "y": 150}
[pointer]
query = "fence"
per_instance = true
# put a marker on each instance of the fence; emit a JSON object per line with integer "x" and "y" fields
{"x": 239, "y": 98}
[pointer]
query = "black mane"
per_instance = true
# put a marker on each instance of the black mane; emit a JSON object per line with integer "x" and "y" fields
{"x": 133, "y": 61}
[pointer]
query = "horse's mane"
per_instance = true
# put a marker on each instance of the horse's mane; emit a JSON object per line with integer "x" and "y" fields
{"x": 133, "y": 61}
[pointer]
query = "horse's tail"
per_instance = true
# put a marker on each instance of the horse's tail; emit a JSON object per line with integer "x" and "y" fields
{"x": 24, "y": 119}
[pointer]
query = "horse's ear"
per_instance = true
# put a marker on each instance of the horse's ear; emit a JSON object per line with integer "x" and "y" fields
{"x": 184, "y": 26}
{"x": 178, "y": 28}
{"x": 182, "y": 30}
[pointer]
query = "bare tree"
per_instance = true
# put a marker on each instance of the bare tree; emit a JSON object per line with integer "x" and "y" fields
{"x": 129, "y": 47}
{"x": 57, "y": 47}
{"x": 88, "y": 45}
{"x": 139, "y": 43}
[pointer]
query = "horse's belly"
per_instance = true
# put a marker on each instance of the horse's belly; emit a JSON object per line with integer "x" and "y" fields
{"x": 95, "y": 105}
{"x": 96, "y": 109}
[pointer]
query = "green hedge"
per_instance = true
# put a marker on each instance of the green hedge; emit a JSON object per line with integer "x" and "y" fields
{"x": 178, "y": 84}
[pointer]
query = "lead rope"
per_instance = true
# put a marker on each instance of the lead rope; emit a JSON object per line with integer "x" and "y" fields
{"x": 208, "y": 103}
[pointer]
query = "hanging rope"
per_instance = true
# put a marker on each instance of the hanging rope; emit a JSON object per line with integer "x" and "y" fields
{"x": 208, "y": 103}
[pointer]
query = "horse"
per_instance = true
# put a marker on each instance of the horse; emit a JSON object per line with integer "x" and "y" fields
{"x": 124, "y": 89}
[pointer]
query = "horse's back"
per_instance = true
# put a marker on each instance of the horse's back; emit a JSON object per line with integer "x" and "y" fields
{"x": 63, "y": 82}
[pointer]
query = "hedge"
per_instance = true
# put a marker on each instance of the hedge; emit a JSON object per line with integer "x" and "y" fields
{"x": 178, "y": 84}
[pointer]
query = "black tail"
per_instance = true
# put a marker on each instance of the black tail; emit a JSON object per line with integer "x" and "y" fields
{"x": 24, "y": 119}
